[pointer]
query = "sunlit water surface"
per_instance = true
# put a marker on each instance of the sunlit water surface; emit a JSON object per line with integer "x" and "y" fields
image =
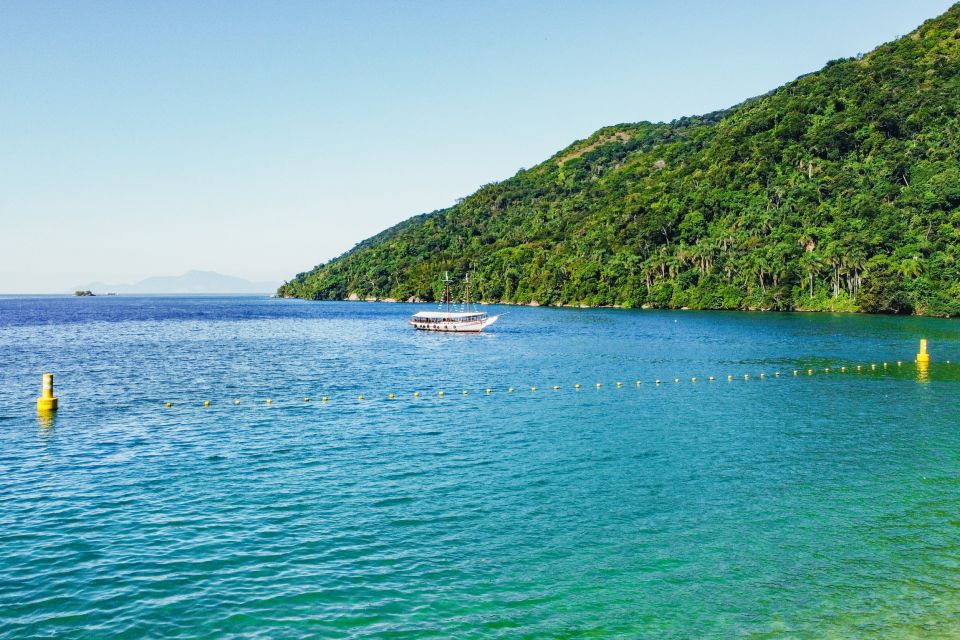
{"x": 809, "y": 506}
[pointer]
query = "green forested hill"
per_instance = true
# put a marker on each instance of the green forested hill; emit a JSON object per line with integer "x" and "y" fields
{"x": 838, "y": 191}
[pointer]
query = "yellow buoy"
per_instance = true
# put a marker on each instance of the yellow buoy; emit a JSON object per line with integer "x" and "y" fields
{"x": 884, "y": 365}
{"x": 710, "y": 378}
{"x": 391, "y": 396}
{"x": 762, "y": 376}
{"x": 440, "y": 394}
{"x": 676, "y": 379}
{"x": 269, "y": 401}
{"x": 489, "y": 391}
{"x": 638, "y": 383}
{"x": 843, "y": 369}
{"x": 693, "y": 379}
{"x": 746, "y": 376}
{"x": 873, "y": 366}
{"x": 859, "y": 367}
{"x": 598, "y": 385}
{"x": 206, "y": 403}
{"x": 306, "y": 399}
{"x": 923, "y": 356}
{"x": 167, "y": 405}
{"x": 809, "y": 372}
{"x": 533, "y": 388}
{"x": 899, "y": 363}
{"x": 730, "y": 378}
{"x": 510, "y": 390}
{"x": 556, "y": 388}
{"x": 657, "y": 382}
{"x": 47, "y": 402}
{"x": 236, "y": 402}
{"x": 324, "y": 399}
{"x": 619, "y": 384}
{"x": 360, "y": 397}
{"x": 465, "y": 392}
{"x": 776, "y": 374}
{"x": 826, "y": 369}
{"x": 795, "y": 372}
{"x": 416, "y": 394}
{"x": 577, "y": 386}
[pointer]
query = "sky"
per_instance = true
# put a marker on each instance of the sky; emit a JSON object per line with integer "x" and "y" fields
{"x": 259, "y": 139}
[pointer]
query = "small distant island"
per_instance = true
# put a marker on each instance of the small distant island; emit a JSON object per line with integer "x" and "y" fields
{"x": 83, "y": 293}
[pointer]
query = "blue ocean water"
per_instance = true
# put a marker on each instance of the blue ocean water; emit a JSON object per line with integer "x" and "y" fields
{"x": 807, "y": 506}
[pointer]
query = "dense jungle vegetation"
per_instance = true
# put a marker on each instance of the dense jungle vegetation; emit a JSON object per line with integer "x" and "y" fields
{"x": 838, "y": 191}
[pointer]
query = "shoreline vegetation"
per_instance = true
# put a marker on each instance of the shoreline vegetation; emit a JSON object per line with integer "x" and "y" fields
{"x": 557, "y": 305}
{"x": 837, "y": 192}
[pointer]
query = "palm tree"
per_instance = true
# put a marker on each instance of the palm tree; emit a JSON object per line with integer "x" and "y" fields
{"x": 812, "y": 265}
{"x": 911, "y": 267}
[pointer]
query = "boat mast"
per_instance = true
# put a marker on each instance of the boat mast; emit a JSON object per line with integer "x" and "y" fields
{"x": 446, "y": 289}
{"x": 468, "y": 292}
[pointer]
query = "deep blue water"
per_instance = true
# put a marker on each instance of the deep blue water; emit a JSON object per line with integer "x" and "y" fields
{"x": 805, "y": 506}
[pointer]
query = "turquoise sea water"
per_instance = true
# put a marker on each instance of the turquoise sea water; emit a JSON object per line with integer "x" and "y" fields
{"x": 814, "y": 506}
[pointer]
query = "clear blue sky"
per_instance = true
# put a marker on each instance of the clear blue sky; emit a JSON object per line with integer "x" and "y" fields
{"x": 261, "y": 138}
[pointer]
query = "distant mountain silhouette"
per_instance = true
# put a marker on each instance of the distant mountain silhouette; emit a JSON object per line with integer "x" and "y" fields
{"x": 190, "y": 282}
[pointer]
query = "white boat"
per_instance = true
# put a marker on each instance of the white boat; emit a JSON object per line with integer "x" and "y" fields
{"x": 469, "y": 321}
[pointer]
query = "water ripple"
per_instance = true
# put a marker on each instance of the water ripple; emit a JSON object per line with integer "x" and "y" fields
{"x": 794, "y": 508}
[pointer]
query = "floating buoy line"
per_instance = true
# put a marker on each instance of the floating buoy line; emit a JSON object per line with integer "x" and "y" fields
{"x": 920, "y": 371}
{"x": 891, "y": 369}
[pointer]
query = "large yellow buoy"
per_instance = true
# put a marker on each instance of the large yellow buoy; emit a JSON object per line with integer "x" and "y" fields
{"x": 47, "y": 402}
{"x": 922, "y": 357}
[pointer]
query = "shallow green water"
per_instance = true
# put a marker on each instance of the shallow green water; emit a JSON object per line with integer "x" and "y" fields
{"x": 824, "y": 505}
